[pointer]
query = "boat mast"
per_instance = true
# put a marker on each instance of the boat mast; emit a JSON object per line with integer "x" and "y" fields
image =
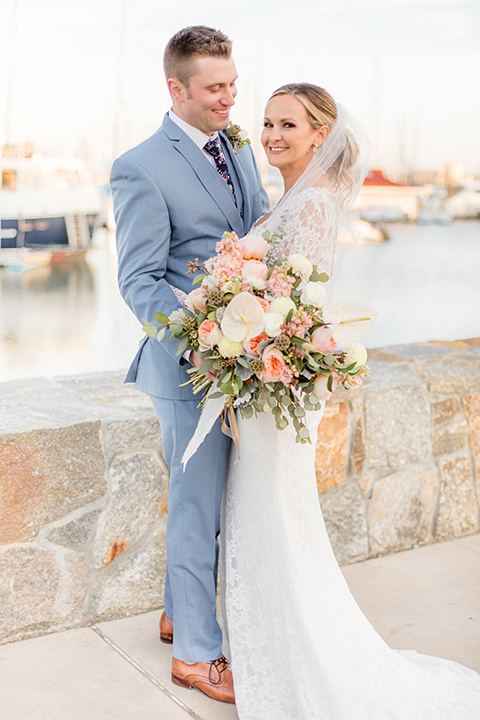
{"x": 13, "y": 111}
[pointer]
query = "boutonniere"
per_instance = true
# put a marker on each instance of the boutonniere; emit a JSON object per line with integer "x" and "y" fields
{"x": 237, "y": 137}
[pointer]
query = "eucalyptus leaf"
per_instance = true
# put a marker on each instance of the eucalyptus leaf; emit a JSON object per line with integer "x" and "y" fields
{"x": 162, "y": 318}
{"x": 198, "y": 279}
{"x": 182, "y": 346}
{"x": 150, "y": 329}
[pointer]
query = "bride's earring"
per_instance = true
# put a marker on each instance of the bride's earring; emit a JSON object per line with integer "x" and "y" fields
{"x": 315, "y": 150}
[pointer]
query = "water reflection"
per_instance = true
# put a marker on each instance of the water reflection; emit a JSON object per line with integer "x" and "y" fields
{"x": 65, "y": 318}
{"x": 70, "y": 318}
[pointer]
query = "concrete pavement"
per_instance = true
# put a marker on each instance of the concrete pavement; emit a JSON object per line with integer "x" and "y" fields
{"x": 427, "y": 599}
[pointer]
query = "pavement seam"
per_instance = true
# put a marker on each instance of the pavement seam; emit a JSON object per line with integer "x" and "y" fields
{"x": 459, "y": 543}
{"x": 148, "y": 675}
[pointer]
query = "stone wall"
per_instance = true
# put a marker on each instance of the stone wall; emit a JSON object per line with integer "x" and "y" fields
{"x": 83, "y": 492}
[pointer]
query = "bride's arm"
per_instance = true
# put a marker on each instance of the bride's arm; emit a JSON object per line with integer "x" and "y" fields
{"x": 311, "y": 228}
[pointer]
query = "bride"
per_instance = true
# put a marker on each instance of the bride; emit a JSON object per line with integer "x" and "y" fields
{"x": 299, "y": 645}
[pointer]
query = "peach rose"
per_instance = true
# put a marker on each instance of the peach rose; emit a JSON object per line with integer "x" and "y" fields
{"x": 323, "y": 340}
{"x": 209, "y": 334}
{"x": 356, "y": 381}
{"x": 197, "y": 299}
{"x": 264, "y": 303}
{"x": 274, "y": 366}
{"x": 254, "y": 247}
{"x": 320, "y": 387}
{"x": 255, "y": 273}
{"x": 251, "y": 346}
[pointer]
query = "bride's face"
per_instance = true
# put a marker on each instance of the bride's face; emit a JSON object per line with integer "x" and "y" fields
{"x": 288, "y": 138}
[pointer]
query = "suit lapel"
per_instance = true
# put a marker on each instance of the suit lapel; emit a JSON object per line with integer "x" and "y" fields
{"x": 208, "y": 176}
{"x": 242, "y": 179}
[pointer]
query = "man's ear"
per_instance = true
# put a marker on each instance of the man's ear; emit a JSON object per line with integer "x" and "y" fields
{"x": 176, "y": 89}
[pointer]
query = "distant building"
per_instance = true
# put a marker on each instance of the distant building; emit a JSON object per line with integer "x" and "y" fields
{"x": 384, "y": 200}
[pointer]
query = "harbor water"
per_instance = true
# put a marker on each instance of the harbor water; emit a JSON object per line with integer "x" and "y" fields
{"x": 70, "y": 319}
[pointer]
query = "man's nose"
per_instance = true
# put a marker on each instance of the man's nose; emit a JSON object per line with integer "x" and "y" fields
{"x": 229, "y": 96}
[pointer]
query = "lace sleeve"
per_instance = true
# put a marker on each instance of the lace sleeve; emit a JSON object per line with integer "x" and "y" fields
{"x": 310, "y": 228}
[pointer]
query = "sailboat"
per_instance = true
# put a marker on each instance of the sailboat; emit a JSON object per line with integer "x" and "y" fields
{"x": 49, "y": 207}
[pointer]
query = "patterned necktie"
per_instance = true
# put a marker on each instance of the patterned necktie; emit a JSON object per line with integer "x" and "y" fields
{"x": 214, "y": 148}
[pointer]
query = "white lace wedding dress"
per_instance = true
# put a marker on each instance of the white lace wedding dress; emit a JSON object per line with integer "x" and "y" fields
{"x": 300, "y": 647}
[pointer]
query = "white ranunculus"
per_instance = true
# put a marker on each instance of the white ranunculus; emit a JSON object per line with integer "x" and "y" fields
{"x": 210, "y": 282}
{"x": 176, "y": 317}
{"x": 282, "y": 305}
{"x": 300, "y": 265}
{"x": 273, "y": 324}
{"x": 357, "y": 354}
{"x": 313, "y": 294}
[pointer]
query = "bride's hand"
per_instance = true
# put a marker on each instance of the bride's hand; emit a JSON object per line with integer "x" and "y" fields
{"x": 196, "y": 360}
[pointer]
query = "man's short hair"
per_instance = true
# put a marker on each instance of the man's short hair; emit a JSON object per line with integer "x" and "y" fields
{"x": 189, "y": 43}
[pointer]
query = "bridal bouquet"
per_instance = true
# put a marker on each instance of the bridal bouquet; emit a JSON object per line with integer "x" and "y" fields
{"x": 259, "y": 323}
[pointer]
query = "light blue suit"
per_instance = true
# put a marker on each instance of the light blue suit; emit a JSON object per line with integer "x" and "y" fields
{"x": 171, "y": 206}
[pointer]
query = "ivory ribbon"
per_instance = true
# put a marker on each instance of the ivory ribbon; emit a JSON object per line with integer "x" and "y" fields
{"x": 211, "y": 410}
{"x": 231, "y": 429}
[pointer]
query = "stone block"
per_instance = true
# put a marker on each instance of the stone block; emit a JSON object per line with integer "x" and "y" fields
{"x": 444, "y": 411}
{"x": 135, "y": 582}
{"x": 130, "y": 434}
{"x": 331, "y": 453}
{"x": 357, "y": 458}
{"x": 458, "y": 508}
{"x": 137, "y": 500}
{"x": 76, "y": 532}
{"x": 471, "y": 403}
{"x": 366, "y": 483}
{"x": 344, "y": 514}
{"x": 47, "y": 474}
{"x": 457, "y": 373}
{"x": 402, "y": 509}
{"x": 40, "y": 591}
{"x": 397, "y": 427}
{"x": 451, "y": 439}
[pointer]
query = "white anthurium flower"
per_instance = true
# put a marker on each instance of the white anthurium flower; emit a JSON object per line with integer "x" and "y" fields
{"x": 313, "y": 293}
{"x": 350, "y": 320}
{"x": 282, "y": 305}
{"x": 357, "y": 354}
{"x": 243, "y": 318}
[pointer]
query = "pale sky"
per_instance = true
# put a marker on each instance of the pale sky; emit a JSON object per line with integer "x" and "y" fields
{"x": 408, "y": 69}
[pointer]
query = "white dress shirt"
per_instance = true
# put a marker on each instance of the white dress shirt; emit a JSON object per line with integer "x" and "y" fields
{"x": 197, "y": 136}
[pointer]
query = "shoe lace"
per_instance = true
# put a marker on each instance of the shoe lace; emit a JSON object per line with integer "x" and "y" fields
{"x": 220, "y": 665}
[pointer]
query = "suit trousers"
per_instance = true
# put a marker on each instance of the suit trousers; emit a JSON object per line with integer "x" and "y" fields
{"x": 193, "y": 527}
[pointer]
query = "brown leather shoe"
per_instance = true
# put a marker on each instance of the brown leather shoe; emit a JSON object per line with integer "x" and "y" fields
{"x": 212, "y": 678}
{"x": 166, "y": 628}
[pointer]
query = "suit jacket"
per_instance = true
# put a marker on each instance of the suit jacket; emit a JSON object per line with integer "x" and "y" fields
{"x": 171, "y": 206}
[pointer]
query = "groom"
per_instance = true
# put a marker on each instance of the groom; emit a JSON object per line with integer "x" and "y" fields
{"x": 174, "y": 196}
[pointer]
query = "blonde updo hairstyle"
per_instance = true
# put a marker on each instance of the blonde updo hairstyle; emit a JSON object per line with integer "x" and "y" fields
{"x": 322, "y": 110}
